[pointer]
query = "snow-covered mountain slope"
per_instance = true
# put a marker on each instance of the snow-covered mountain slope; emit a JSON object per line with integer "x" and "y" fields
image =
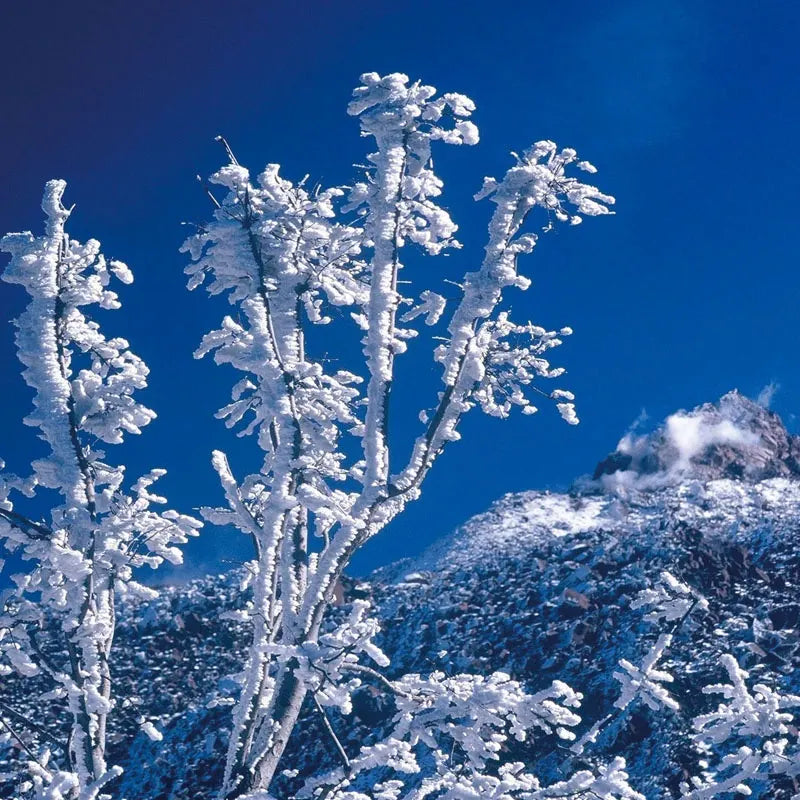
{"x": 539, "y": 586}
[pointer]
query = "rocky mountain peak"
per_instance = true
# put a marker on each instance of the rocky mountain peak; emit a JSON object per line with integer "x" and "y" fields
{"x": 734, "y": 438}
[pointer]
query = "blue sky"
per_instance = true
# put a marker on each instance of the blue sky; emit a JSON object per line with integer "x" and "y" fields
{"x": 688, "y": 109}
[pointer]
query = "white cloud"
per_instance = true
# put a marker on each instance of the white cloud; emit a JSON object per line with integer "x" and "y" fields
{"x": 691, "y": 434}
{"x": 766, "y": 395}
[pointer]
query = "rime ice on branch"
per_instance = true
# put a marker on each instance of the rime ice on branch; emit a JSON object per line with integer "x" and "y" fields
{"x": 285, "y": 262}
{"x": 98, "y": 533}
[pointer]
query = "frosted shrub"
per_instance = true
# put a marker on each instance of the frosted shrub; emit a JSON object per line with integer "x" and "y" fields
{"x": 83, "y": 556}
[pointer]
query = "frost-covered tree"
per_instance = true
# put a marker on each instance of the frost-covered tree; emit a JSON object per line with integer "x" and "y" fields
{"x": 288, "y": 257}
{"x": 82, "y": 554}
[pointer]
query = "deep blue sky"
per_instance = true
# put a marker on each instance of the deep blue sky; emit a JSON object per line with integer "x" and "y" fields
{"x": 689, "y": 110}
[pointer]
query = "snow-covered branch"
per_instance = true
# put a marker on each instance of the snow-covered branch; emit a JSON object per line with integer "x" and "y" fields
{"x": 757, "y": 730}
{"x": 85, "y": 555}
{"x": 488, "y": 359}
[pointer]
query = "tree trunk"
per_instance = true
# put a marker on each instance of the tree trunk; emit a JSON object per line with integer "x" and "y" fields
{"x": 259, "y": 771}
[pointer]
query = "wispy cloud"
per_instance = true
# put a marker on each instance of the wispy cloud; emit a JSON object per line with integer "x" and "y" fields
{"x": 767, "y": 394}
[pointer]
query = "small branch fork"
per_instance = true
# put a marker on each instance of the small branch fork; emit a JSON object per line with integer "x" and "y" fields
{"x": 18, "y": 739}
{"x": 33, "y": 530}
{"x": 340, "y": 751}
{"x": 32, "y": 725}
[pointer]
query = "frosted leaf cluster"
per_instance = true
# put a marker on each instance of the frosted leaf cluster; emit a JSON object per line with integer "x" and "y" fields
{"x": 274, "y": 249}
{"x": 462, "y": 723}
{"x": 669, "y": 600}
{"x": 98, "y": 532}
{"x": 509, "y": 357}
{"x": 512, "y": 781}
